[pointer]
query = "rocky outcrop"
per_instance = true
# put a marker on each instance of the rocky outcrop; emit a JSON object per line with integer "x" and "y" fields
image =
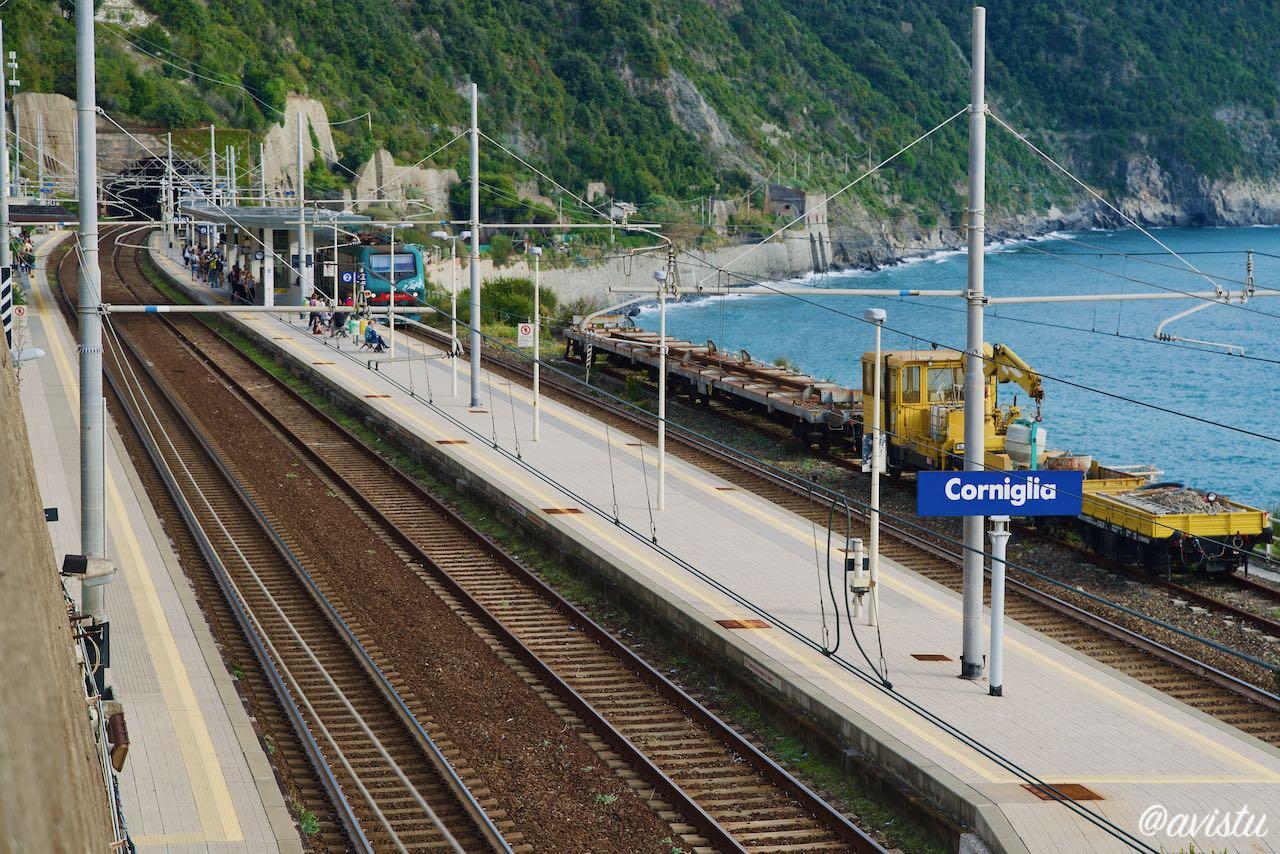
{"x": 381, "y": 181}
{"x": 280, "y": 145}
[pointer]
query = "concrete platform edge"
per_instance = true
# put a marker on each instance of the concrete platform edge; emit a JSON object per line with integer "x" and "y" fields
{"x": 815, "y": 708}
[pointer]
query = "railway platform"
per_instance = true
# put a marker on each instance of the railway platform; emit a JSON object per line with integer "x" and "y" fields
{"x": 196, "y": 778}
{"x": 1125, "y": 754}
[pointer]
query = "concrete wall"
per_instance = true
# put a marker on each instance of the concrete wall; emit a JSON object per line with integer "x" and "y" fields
{"x": 53, "y": 793}
{"x": 116, "y": 149}
{"x": 780, "y": 259}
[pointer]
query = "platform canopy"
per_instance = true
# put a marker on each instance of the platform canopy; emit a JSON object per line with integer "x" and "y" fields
{"x": 270, "y": 216}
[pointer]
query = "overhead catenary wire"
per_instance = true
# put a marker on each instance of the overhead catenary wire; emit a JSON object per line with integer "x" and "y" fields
{"x": 913, "y": 524}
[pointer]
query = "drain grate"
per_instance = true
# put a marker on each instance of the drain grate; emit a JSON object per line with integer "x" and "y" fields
{"x": 561, "y": 511}
{"x": 726, "y": 489}
{"x": 1074, "y": 791}
{"x": 744, "y": 624}
{"x": 377, "y": 395}
{"x": 451, "y": 441}
{"x": 929, "y": 656}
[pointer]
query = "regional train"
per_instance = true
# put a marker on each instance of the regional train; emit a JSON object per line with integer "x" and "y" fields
{"x": 1126, "y": 515}
{"x": 407, "y": 270}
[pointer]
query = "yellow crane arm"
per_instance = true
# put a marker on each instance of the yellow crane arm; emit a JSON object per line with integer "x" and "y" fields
{"x": 1008, "y": 367}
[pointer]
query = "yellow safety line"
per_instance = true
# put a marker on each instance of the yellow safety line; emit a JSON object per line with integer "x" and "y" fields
{"x": 213, "y": 803}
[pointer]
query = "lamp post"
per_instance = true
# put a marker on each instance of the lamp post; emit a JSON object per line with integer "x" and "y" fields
{"x": 878, "y": 317}
{"x": 536, "y": 251}
{"x": 454, "y": 345}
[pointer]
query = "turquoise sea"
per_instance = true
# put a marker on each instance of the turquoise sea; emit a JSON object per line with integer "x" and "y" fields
{"x": 1106, "y": 346}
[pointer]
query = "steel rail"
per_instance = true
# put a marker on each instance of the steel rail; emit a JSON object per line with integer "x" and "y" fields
{"x": 430, "y": 750}
{"x": 442, "y": 765}
{"x": 324, "y": 772}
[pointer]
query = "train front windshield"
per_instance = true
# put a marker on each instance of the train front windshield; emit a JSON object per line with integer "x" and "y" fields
{"x": 406, "y": 268}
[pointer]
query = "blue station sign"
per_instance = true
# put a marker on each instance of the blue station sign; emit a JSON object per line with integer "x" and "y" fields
{"x": 999, "y": 493}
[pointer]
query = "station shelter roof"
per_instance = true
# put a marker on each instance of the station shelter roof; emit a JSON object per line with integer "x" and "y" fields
{"x": 270, "y": 216}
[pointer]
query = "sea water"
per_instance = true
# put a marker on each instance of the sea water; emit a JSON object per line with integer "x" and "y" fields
{"x": 1111, "y": 390}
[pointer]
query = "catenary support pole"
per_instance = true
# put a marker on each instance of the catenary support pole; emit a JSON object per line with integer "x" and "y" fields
{"x": 975, "y": 381}
{"x": 304, "y": 283}
{"x": 878, "y": 317}
{"x": 455, "y": 345}
{"x": 93, "y": 535}
{"x": 170, "y": 184}
{"x": 664, "y": 279}
{"x": 391, "y": 295}
{"x": 212, "y": 230}
{"x": 999, "y": 543}
{"x": 537, "y": 340}
{"x": 6, "y": 268}
{"x": 475, "y": 247}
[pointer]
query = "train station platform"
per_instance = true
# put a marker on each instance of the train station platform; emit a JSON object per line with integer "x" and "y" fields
{"x": 196, "y": 778}
{"x": 1064, "y": 719}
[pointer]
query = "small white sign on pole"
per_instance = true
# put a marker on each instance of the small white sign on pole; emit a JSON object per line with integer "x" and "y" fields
{"x": 330, "y": 269}
{"x": 524, "y": 335}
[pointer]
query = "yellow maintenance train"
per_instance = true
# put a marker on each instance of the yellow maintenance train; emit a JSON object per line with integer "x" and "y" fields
{"x": 1126, "y": 515}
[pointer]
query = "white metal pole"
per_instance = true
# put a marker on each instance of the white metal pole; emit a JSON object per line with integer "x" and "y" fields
{"x": 335, "y": 263}
{"x": 537, "y": 340}
{"x": 40, "y": 157}
{"x": 877, "y": 316}
{"x": 304, "y": 286}
{"x": 453, "y": 312}
{"x": 212, "y": 230}
{"x": 6, "y": 271}
{"x": 262, "y": 167}
{"x": 975, "y": 381}
{"x": 93, "y": 539}
{"x": 169, "y": 189}
{"x": 663, "y": 281}
{"x": 391, "y": 296}
{"x": 999, "y": 543}
{"x": 475, "y": 247}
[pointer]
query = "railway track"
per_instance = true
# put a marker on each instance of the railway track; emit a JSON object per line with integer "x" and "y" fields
{"x": 388, "y": 784}
{"x": 1240, "y": 702}
{"x": 716, "y": 788}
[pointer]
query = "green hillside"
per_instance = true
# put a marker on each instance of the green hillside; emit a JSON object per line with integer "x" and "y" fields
{"x": 672, "y": 98}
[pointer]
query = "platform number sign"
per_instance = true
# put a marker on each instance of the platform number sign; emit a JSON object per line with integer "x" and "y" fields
{"x": 202, "y": 229}
{"x": 524, "y": 335}
{"x": 348, "y": 277}
{"x": 361, "y": 279}
{"x": 259, "y": 255}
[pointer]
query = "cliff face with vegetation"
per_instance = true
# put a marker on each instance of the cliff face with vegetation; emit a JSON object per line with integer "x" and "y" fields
{"x": 1172, "y": 106}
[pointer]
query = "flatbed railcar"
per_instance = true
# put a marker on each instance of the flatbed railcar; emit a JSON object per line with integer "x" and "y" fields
{"x": 1125, "y": 516}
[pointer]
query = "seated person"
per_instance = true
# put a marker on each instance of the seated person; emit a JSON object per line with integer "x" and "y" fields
{"x": 372, "y": 339}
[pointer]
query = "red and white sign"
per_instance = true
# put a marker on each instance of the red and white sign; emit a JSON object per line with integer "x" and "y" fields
{"x": 524, "y": 335}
